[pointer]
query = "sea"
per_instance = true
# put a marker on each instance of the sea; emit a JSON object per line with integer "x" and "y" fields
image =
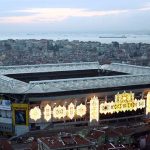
{"x": 85, "y": 36}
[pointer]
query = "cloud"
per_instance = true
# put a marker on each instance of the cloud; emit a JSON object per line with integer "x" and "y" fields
{"x": 144, "y": 9}
{"x": 37, "y": 15}
{"x": 50, "y": 15}
{"x": 147, "y": 4}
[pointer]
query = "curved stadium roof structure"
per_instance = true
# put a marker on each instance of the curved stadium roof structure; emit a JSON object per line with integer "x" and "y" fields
{"x": 13, "y": 78}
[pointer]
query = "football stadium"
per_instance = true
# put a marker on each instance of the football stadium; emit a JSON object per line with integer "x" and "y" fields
{"x": 34, "y": 97}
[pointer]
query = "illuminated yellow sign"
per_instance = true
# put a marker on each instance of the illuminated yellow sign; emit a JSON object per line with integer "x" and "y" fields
{"x": 148, "y": 104}
{"x": 35, "y": 113}
{"x": 81, "y": 110}
{"x": 141, "y": 104}
{"x": 123, "y": 102}
{"x": 94, "y": 109}
{"x": 71, "y": 110}
{"x": 47, "y": 112}
{"x": 59, "y": 112}
{"x": 106, "y": 108}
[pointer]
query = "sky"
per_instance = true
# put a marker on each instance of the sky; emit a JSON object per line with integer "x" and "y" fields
{"x": 74, "y": 15}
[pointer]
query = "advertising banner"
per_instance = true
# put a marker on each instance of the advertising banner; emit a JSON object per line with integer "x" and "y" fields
{"x": 5, "y": 105}
{"x": 20, "y": 114}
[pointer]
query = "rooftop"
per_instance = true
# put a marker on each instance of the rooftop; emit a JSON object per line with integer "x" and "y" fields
{"x": 95, "y": 134}
{"x": 126, "y": 68}
{"x": 110, "y": 132}
{"x": 48, "y": 67}
{"x": 63, "y": 141}
{"x": 111, "y": 146}
{"x": 5, "y": 145}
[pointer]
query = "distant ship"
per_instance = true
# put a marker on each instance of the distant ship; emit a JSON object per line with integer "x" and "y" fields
{"x": 123, "y": 36}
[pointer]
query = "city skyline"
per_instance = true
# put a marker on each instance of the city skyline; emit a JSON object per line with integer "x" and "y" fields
{"x": 70, "y": 15}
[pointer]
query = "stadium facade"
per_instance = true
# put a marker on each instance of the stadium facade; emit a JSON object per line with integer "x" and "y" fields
{"x": 49, "y": 95}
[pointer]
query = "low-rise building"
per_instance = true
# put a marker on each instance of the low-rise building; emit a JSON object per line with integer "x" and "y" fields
{"x": 5, "y": 145}
{"x": 64, "y": 141}
{"x": 124, "y": 135}
{"x": 111, "y": 146}
{"x": 5, "y": 117}
{"x": 96, "y": 136}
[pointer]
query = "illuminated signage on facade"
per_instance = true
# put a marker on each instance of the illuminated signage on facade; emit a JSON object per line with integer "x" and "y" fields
{"x": 59, "y": 112}
{"x": 81, "y": 110}
{"x": 148, "y": 104}
{"x": 47, "y": 112}
{"x": 94, "y": 109}
{"x": 35, "y": 113}
{"x": 106, "y": 107}
{"x": 71, "y": 110}
{"x": 140, "y": 104}
{"x": 123, "y": 102}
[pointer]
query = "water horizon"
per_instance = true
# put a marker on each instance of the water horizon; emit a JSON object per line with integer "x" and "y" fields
{"x": 81, "y": 36}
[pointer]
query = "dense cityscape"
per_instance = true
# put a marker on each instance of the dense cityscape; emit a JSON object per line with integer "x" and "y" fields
{"x": 27, "y": 52}
{"x": 84, "y": 138}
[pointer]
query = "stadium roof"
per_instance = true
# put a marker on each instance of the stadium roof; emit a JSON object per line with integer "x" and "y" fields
{"x": 48, "y": 68}
{"x": 137, "y": 75}
{"x": 125, "y": 68}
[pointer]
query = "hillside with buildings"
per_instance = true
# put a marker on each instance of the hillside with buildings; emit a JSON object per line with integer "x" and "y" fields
{"x": 22, "y": 52}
